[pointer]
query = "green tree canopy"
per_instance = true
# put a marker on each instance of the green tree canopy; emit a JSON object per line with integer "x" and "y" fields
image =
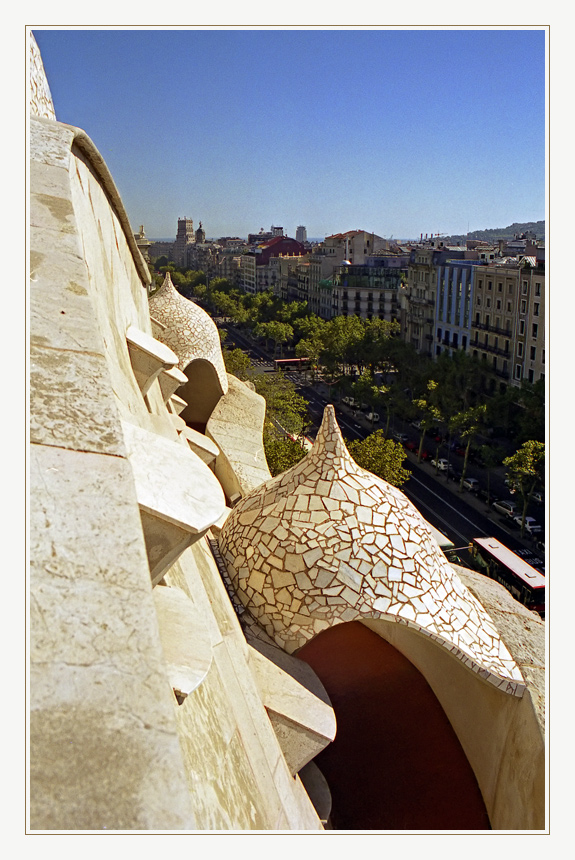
{"x": 526, "y": 470}
{"x": 380, "y": 456}
{"x": 281, "y": 453}
{"x": 237, "y": 363}
{"x": 286, "y": 410}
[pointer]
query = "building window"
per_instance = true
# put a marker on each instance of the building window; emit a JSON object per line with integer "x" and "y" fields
{"x": 537, "y": 289}
{"x": 509, "y": 307}
{"x": 534, "y": 330}
{"x": 533, "y": 353}
{"x": 480, "y": 284}
{"x": 498, "y": 304}
{"x": 521, "y": 326}
{"x": 489, "y": 285}
{"x": 524, "y": 288}
{"x": 530, "y": 375}
{"x": 517, "y": 371}
{"x": 464, "y": 341}
{"x": 510, "y": 288}
{"x": 499, "y": 288}
{"x": 438, "y": 334}
{"x": 488, "y": 303}
{"x": 543, "y": 357}
{"x": 536, "y": 309}
{"x": 523, "y": 307}
{"x": 520, "y": 349}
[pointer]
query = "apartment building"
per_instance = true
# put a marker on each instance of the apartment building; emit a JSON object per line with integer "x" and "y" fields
{"x": 508, "y": 327}
{"x": 418, "y": 300}
{"x": 370, "y": 291}
{"x": 262, "y": 271}
{"x": 354, "y": 246}
{"x": 454, "y": 304}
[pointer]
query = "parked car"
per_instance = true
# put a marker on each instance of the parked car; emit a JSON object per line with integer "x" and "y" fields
{"x": 416, "y": 424}
{"x": 471, "y": 484}
{"x": 537, "y": 497}
{"x": 531, "y": 525}
{"x": 401, "y": 437}
{"x": 509, "y": 509}
{"x": 372, "y": 416}
{"x": 441, "y": 464}
{"x": 412, "y": 446}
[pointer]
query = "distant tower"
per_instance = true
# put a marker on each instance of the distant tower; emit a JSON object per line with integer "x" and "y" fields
{"x": 301, "y": 235}
{"x": 277, "y": 231}
{"x": 143, "y": 243}
{"x": 185, "y": 237}
{"x": 200, "y": 235}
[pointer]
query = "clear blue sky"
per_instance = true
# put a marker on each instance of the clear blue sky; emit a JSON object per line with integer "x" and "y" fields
{"x": 393, "y": 131}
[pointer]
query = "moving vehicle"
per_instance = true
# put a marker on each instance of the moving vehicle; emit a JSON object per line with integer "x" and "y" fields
{"x": 531, "y": 525}
{"x": 494, "y": 559}
{"x": 508, "y": 509}
{"x": 291, "y": 363}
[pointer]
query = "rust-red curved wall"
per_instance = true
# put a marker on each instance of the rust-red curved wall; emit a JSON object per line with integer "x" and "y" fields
{"x": 396, "y": 763}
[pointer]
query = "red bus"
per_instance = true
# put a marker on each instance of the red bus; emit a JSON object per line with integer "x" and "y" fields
{"x": 526, "y": 584}
{"x": 291, "y": 363}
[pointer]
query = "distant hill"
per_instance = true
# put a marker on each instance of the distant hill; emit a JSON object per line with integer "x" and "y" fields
{"x": 537, "y": 227}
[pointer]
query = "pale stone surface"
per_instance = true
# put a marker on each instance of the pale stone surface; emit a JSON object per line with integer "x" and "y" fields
{"x": 236, "y": 425}
{"x": 170, "y": 381}
{"x": 201, "y": 445}
{"x": 228, "y": 739}
{"x": 380, "y": 556}
{"x": 185, "y": 639}
{"x": 104, "y": 747}
{"x": 109, "y": 746}
{"x": 41, "y": 103}
{"x": 149, "y": 357}
{"x": 303, "y": 722}
{"x": 171, "y": 482}
{"x": 70, "y": 402}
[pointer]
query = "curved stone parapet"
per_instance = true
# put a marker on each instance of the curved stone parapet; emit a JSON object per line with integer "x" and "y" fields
{"x": 236, "y": 425}
{"x": 191, "y": 333}
{"x": 328, "y": 542}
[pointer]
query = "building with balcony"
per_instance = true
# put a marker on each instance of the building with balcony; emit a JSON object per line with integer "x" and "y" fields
{"x": 262, "y": 270}
{"x": 418, "y": 299}
{"x": 369, "y": 291}
{"x": 454, "y": 304}
{"x": 508, "y": 319}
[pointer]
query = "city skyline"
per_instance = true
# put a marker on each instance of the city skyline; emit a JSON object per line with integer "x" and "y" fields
{"x": 397, "y": 132}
